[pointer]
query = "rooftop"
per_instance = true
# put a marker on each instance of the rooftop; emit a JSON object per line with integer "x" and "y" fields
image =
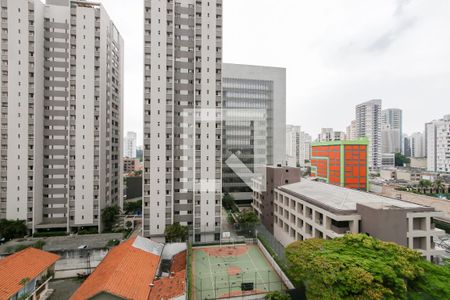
{"x": 129, "y": 271}
{"x": 28, "y": 263}
{"x": 66, "y": 243}
{"x": 362, "y": 141}
{"x": 343, "y": 199}
{"x": 126, "y": 272}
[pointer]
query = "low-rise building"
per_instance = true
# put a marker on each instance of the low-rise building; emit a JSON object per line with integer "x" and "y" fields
{"x": 418, "y": 162}
{"x": 138, "y": 269}
{"x": 309, "y": 209}
{"x": 130, "y": 165}
{"x": 409, "y": 174}
{"x": 388, "y": 174}
{"x": 388, "y": 160}
{"x": 263, "y": 195}
{"x": 342, "y": 163}
{"x": 25, "y": 274}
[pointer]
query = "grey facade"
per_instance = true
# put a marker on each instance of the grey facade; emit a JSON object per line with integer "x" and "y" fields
{"x": 182, "y": 117}
{"x": 407, "y": 146}
{"x": 70, "y": 82}
{"x": 254, "y": 123}
{"x": 263, "y": 196}
{"x": 392, "y": 126}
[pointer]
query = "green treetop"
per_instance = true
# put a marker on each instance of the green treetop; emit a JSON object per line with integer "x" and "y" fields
{"x": 357, "y": 266}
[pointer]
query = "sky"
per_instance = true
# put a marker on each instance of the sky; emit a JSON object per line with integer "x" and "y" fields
{"x": 337, "y": 53}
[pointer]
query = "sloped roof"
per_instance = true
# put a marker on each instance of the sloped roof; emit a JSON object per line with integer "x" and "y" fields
{"x": 126, "y": 271}
{"x": 28, "y": 263}
{"x": 173, "y": 286}
{"x": 169, "y": 287}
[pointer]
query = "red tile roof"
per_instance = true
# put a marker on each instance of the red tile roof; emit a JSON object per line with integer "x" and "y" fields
{"x": 28, "y": 263}
{"x": 169, "y": 287}
{"x": 173, "y": 286}
{"x": 178, "y": 262}
{"x": 125, "y": 272}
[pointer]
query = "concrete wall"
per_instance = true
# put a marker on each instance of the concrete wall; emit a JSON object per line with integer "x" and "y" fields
{"x": 275, "y": 266}
{"x": 76, "y": 261}
{"x": 389, "y": 225}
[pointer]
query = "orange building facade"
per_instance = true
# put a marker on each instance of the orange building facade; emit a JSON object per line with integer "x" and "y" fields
{"x": 342, "y": 163}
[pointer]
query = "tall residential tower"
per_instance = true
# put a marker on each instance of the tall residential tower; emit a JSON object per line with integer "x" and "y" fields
{"x": 437, "y": 142}
{"x": 182, "y": 117}
{"x": 61, "y": 113}
{"x": 298, "y": 146}
{"x": 392, "y": 119}
{"x": 368, "y": 124}
{"x": 129, "y": 145}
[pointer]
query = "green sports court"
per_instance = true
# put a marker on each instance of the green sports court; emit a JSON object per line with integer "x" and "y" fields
{"x": 221, "y": 272}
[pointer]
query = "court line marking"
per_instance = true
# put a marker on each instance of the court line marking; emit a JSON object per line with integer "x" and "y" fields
{"x": 256, "y": 270}
{"x": 210, "y": 272}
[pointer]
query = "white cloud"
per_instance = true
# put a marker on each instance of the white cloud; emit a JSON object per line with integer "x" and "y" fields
{"x": 337, "y": 53}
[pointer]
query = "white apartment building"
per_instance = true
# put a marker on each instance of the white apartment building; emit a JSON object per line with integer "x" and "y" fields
{"x": 293, "y": 144}
{"x": 129, "y": 145}
{"x": 305, "y": 148}
{"x": 328, "y": 135}
{"x": 392, "y": 119}
{"x": 254, "y": 118}
{"x": 417, "y": 144}
{"x": 309, "y": 209}
{"x": 182, "y": 117}
{"x": 61, "y": 113}
{"x": 390, "y": 139}
{"x": 437, "y": 140}
{"x": 368, "y": 124}
{"x": 350, "y": 132}
{"x": 388, "y": 160}
{"x": 298, "y": 146}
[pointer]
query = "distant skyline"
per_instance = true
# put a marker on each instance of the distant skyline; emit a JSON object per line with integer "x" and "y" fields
{"x": 337, "y": 55}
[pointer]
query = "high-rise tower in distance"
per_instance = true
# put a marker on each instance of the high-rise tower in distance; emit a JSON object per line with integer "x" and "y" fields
{"x": 182, "y": 117}
{"x": 392, "y": 130}
{"x": 368, "y": 124}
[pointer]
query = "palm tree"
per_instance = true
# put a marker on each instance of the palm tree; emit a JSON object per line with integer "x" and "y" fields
{"x": 438, "y": 185}
{"x": 423, "y": 184}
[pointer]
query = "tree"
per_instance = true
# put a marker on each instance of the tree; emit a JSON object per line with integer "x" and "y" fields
{"x": 229, "y": 203}
{"x": 277, "y": 295}
{"x": 248, "y": 217}
{"x": 176, "y": 233}
{"x": 10, "y": 229}
{"x": 401, "y": 160}
{"x": 438, "y": 185}
{"x": 133, "y": 208}
{"x": 425, "y": 183}
{"x": 129, "y": 224}
{"x": 24, "y": 281}
{"x": 137, "y": 173}
{"x": 247, "y": 221}
{"x": 357, "y": 266}
{"x": 110, "y": 216}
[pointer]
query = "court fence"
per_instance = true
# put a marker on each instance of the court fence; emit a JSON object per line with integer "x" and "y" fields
{"x": 246, "y": 283}
{"x": 274, "y": 246}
